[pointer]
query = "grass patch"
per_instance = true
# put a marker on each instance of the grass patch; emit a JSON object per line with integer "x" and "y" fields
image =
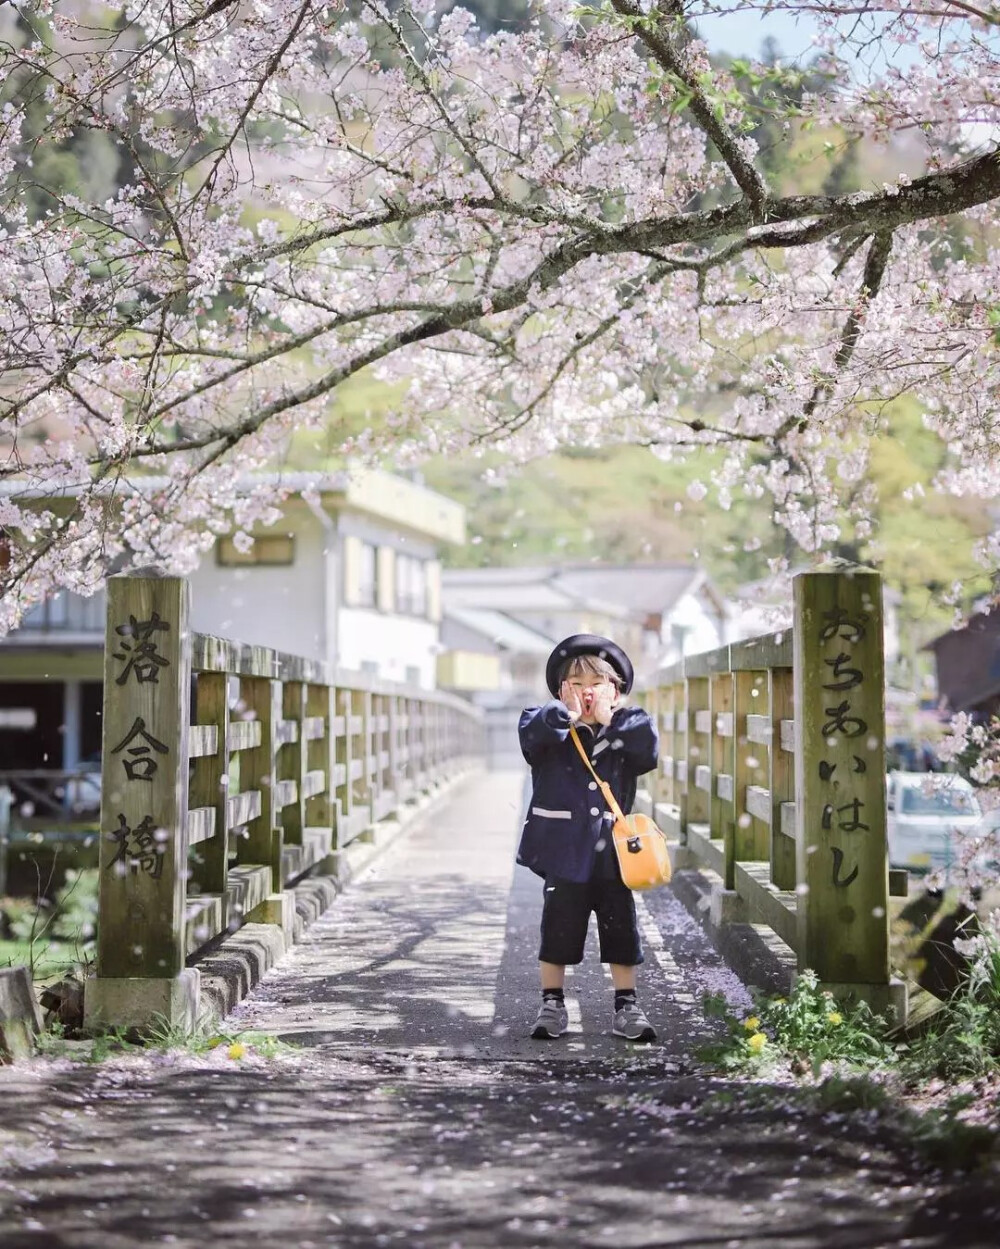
{"x": 804, "y": 1030}
{"x": 49, "y": 960}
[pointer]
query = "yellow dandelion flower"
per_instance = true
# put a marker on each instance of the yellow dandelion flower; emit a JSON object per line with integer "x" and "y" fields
{"x": 236, "y": 1050}
{"x": 835, "y": 1018}
{"x": 751, "y": 1023}
{"x": 756, "y": 1042}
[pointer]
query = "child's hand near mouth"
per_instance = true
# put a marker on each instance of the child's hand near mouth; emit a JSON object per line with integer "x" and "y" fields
{"x": 570, "y": 697}
{"x": 594, "y": 704}
{"x": 604, "y": 700}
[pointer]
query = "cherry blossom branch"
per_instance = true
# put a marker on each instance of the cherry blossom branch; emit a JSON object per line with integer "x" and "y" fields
{"x": 935, "y": 195}
{"x": 417, "y": 68}
{"x": 269, "y": 71}
{"x": 473, "y": 216}
{"x": 652, "y": 30}
{"x": 814, "y": 217}
{"x": 876, "y": 263}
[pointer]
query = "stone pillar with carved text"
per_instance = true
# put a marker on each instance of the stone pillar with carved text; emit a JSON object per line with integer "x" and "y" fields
{"x": 841, "y": 853}
{"x": 141, "y": 940}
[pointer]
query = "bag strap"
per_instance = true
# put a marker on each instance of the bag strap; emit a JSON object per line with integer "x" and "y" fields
{"x": 604, "y": 787}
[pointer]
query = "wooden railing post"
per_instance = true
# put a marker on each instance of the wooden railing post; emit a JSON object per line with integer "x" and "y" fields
{"x": 292, "y": 762}
{"x": 447, "y": 742}
{"x": 141, "y": 975}
{"x": 840, "y": 782}
{"x": 260, "y": 840}
{"x": 430, "y": 741}
{"x": 383, "y": 755}
{"x": 751, "y": 834}
{"x": 671, "y": 715}
{"x": 721, "y": 816}
{"x": 418, "y": 742}
{"x": 210, "y": 788}
{"x": 366, "y": 790}
{"x": 651, "y": 702}
{"x": 397, "y": 748}
{"x": 440, "y": 740}
{"x": 781, "y": 779}
{"x": 345, "y": 766}
{"x": 454, "y": 753}
{"x": 694, "y": 803}
{"x": 321, "y": 755}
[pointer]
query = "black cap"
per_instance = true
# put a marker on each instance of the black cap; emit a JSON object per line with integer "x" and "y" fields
{"x": 587, "y": 644}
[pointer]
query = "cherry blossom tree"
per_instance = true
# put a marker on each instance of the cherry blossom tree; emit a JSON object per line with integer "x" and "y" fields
{"x": 558, "y": 233}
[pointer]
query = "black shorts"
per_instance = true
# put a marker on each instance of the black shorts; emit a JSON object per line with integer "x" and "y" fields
{"x": 566, "y": 916}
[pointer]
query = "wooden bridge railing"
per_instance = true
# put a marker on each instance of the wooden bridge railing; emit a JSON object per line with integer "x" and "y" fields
{"x": 212, "y": 805}
{"x": 772, "y": 777}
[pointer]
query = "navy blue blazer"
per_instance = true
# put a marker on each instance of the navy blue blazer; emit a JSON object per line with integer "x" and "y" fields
{"x": 567, "y": 814}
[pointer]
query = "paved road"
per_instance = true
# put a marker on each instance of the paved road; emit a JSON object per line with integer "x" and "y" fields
{"x": 437, "y": 953}
{"x": 413, "y": 1111}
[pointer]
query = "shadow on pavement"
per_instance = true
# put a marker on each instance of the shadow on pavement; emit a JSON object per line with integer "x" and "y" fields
{"x": 316, "y": 1149}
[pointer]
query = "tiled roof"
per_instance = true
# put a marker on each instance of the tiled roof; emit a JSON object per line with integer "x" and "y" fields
{"x": 501, "y": 629}
{"x": 613, "y": 589}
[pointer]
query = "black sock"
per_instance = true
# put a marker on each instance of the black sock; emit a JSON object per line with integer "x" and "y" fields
{"x": 624, "y": 997}
{"x": 555, "y": 995}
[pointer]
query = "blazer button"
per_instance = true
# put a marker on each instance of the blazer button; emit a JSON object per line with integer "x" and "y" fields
{"x": 594, "y": 811}
{"x": 592, "y": 785}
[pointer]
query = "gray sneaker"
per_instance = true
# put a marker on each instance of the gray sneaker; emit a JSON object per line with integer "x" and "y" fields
{"x": 552, "y": 1020}
{"x": 632, "y": 1024}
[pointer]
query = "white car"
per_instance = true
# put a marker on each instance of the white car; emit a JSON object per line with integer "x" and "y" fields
{"x": 929, "y": 815}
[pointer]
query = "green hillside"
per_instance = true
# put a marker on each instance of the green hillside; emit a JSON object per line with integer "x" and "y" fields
{"x": 623, "y": 504}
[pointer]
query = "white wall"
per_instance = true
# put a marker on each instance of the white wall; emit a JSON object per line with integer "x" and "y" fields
{"x": 394, "y": 643}
{"x": 703, "y": 628}
{"x": 297, "y": 608}
{"x": 283, "y": 607}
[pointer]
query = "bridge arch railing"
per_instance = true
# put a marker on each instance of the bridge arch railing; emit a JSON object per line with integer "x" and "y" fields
{"x": 772, "y": 780}
{"x": 228, "y": 772}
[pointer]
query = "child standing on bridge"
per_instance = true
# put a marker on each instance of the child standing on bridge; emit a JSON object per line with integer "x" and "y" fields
{"x": 567, "y": 833}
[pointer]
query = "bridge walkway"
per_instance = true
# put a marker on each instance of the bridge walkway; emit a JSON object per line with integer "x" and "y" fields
{"x": 436, "y": 950}
{"x": 412, "y": 1110}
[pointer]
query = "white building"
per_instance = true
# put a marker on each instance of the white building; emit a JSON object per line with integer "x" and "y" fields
{"x": 657, "y": 612}
{"x": 504, "y": 622}
{"x": 353, "y": 579}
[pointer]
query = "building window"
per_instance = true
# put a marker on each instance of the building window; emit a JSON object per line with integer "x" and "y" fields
{"x": 411, "y": 586}
{"x": 678, "y": 636}
{"x": 270, "y": 550}
{"x": 367, "y": 575}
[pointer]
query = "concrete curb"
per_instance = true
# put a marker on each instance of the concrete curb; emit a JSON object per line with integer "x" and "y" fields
{"x": 756, "y": 954}
{"x": 346, "y": 865}
{"x": 233, "y": 967}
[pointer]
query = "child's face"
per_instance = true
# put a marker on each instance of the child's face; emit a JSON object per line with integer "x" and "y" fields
{"x": 591, "y": 690}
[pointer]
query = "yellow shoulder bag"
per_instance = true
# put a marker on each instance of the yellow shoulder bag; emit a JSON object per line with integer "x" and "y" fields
{"x": 640, "y": 846}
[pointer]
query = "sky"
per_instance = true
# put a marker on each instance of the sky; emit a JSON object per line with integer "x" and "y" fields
{"x": 741, "y": 34}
